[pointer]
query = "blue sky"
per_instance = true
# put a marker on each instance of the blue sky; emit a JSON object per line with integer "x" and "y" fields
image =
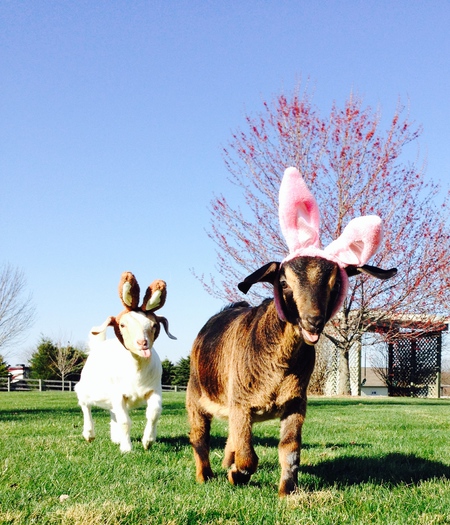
{"x": 113, "y": 115}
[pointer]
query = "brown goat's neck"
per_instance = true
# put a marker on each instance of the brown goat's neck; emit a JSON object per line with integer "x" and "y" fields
{"x": 284, "y": 337}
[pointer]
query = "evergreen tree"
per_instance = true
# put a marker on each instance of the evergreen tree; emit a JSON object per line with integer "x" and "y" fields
{"x": 54, "y": 361}
{"x": 41, "y": 360}
{"x": 3, "y": 367}
{"x": 181, "y": 372}
{"x": 167, "y": 372}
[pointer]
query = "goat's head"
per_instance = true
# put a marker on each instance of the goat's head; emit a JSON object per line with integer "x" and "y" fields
{"x": 137, "y": 327}
{"x": 310, "y": 285}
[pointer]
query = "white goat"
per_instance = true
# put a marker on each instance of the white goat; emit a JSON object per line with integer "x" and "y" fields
{"x": 125, "y": 372}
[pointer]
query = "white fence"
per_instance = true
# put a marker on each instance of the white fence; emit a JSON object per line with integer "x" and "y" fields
{"x": 27, "y": 385}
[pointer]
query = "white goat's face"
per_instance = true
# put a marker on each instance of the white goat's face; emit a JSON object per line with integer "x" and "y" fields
{"x": 138, "y": 331}
{"x": 308, "y": 288}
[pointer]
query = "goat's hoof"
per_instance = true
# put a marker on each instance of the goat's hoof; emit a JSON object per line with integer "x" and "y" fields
{"x": 205, "y": 476}
{"x": 286, "y": 488}
{"x": 238, "y": 477}
{"x": 89, "y": 437}
{"x": 125, "y": 448}
{"x": 147, "y": 444}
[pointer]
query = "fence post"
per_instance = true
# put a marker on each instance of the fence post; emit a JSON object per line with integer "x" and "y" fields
{"x": 9, "y": 383}
{"x": 40, "y": 385}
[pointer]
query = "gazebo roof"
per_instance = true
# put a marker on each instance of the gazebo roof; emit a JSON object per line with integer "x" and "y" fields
{"x": 422, "y": 322}
{"x": 379, "y": 320}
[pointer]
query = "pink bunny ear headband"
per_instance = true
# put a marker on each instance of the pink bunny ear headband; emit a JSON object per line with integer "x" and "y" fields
{"x": 300, "y": 219}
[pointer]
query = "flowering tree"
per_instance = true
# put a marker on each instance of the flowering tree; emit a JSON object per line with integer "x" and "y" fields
{"x": 353, "y": 167}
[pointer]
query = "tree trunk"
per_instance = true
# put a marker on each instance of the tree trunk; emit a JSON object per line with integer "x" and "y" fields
{"x": 358, "y": 345}
{"x": 344, "y": 373}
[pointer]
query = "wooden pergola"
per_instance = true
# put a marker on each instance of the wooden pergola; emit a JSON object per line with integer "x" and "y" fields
{"x": 414, "y": 352}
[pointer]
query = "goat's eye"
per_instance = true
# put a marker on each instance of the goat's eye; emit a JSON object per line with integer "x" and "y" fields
{"x": 122, "y": 325}
{"x": 283, "y": 284}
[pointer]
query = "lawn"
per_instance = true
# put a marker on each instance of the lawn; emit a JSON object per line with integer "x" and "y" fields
{"x": 364, "y": 461}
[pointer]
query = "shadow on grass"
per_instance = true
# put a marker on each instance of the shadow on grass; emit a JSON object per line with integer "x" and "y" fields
{"x": 27, "y": 413}
{"x": 319, "y": 402}
{"x": 217, "y": 443}
{"x": 391, "y": 469}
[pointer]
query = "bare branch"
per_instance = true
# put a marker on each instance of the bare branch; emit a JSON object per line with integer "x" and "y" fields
{"x": 17, "y": 311}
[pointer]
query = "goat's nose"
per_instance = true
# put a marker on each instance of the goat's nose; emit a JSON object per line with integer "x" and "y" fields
{"x": 142, "y": 343}
{"x": 315, "y": 321}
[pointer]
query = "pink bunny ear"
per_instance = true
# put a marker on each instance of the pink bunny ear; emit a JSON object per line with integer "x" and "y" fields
{"x": 298, "y": 212}
{"x": 358, "y": 242}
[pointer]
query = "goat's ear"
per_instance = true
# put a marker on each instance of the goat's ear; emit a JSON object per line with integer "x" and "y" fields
{"x": 155, "y": 296}
{"x": 371, "y": 270}
{"x": 97, "y": 330}
{"x": 265, "y": 274}
{"x": 129, "y": 291}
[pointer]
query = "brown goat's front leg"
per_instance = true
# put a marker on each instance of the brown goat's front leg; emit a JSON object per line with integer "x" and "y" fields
{"x": 228, "y": 458}
{"x": 199, "y": 438}
{"x": 239, "y": 447}
{"x": 289, "y": 452}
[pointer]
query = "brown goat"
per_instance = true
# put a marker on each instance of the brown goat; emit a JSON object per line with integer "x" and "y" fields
{"x": 254, "y": 363}
{"x": 249, "y": 365}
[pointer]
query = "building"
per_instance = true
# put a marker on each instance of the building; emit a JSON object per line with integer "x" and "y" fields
{"x": 413, "y": 358}
{"x": 19, "y": 372}
{"x": 372, "y": 384}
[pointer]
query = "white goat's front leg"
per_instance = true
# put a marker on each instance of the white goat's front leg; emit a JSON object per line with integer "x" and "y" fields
{"x": 153, "y": 411}
{"x": 121, "y": 425}
{"x": 116, "y": 431}
{"x": 88, "y": 423}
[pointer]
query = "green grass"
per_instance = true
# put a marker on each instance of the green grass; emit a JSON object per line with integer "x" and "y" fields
{"x": 375, "y": 461}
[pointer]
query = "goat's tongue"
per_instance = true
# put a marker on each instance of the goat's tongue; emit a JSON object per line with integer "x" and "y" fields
{"x": 309, "y": 337}
{"x": 145, "y": 353}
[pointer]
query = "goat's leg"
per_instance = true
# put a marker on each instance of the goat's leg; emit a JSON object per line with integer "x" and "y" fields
{"x": 229, "y": 454}
{"x": 289, "y": 452}
{"x": 240, "y": 446}
{"x": 153, "y": 411}
{"x": 116, "y": 432}
{"x": 200, "y": 424}
{"x": 122, "y": 425}
{"x": 88, "y": 423}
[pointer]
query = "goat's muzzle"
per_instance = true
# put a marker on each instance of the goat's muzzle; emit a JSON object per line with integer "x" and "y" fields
{"x": 144, "y": 349}
{"x": 309, "y": 338}
{"x": 311, "y": 328}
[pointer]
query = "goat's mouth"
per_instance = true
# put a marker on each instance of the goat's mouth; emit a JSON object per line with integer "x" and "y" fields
{"x": 309, "y": 337}
{"x": 143, "y": 351}
{"x": 146, "y": 352}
